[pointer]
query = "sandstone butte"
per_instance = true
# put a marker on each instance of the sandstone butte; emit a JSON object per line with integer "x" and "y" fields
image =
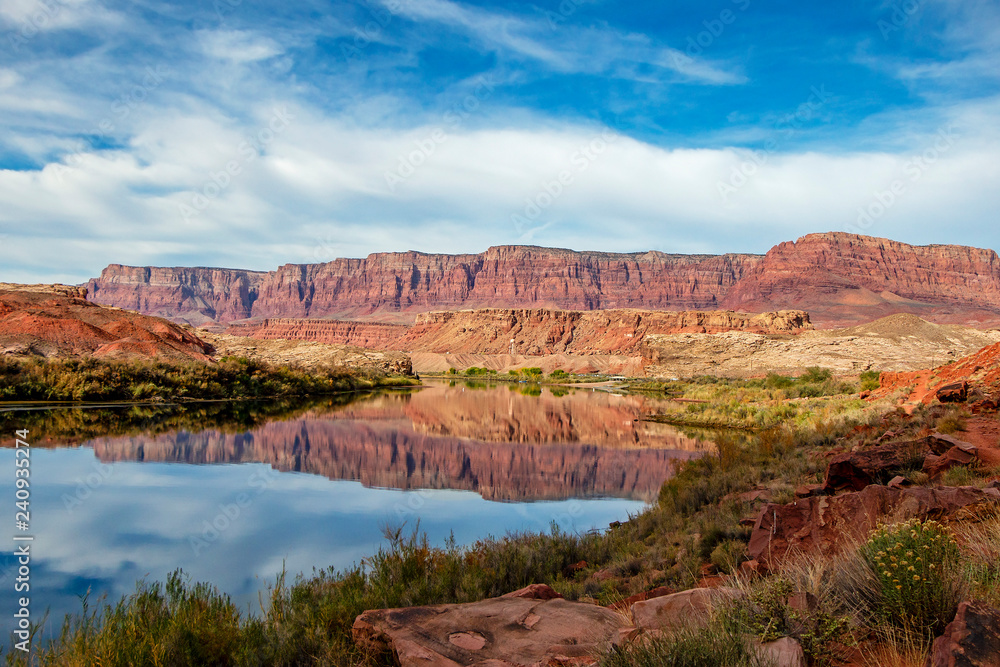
{"x": 56, "y": 320}
{"x": 840, "y": 279}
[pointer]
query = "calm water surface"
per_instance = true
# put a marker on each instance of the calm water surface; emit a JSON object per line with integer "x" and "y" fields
{"x": 233, "y": 494}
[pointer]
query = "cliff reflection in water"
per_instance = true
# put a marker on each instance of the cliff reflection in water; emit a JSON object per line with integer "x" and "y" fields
{"x": 496, "y": 441}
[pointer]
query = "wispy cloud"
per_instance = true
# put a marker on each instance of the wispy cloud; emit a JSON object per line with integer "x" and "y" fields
{"x": 238, "y": 46}
{"x": 566, "y": 48}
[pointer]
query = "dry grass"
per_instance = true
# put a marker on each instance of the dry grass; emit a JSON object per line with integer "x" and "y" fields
{"x": 953, "y": 421}
{"x": 979, "y": 541}
{"x": 894, "y": 648}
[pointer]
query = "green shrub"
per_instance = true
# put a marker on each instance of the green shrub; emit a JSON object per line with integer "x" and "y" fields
{"x": 775, "y": 381}
{"x": 870, "y": 380}
{"x": 728, "y": 555}
{"x": 816, "y": 374}
{"x": 534, "y": 371}
{"x": 913, "y": 563}
{"x": 810, "y": 391}
{"x": 98, "y": 380}
{"x": 558, "y": 373}
{"x": 767, "y": 614}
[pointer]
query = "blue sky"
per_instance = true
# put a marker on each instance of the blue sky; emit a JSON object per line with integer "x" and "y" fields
{"x": 253, "y": 134}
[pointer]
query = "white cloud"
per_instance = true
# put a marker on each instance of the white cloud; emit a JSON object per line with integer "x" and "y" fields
{"x": 8, "y": 78}
{"x": 238, "y": 46}
{"x": 31, "y": 17}
{"x": 319, "y": 191}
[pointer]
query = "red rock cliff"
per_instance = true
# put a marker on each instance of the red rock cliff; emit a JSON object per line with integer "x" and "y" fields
{"x": 841, "y": 279}
{"x": 396, "y": 286}
{"x": 196, "y": 295}
{"x": 845, "y": 279}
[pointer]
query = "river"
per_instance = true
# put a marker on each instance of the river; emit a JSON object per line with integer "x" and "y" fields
{"x": 235, "y": 493}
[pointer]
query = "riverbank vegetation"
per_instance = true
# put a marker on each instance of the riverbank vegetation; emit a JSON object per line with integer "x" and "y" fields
{"x": 814, "y": 398}
{"x": 70, "y": 424}
{"x": 532, "y": 374}
{"x": 696, "y": 530}
{"x": 89, "y": 379}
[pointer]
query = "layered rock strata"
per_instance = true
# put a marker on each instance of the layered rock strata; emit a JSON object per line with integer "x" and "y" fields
{"x": 841, "y": 279}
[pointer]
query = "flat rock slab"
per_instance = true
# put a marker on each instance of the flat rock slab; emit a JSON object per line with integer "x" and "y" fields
{"x": 500, "y": 631}
{"x": 785, "y": 652}
{"x": 687, "y": 609}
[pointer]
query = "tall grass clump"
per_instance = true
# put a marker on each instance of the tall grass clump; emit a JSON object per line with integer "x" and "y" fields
{"x": 172, "y": 624}
{"x": 914, "y": 564}
{"x": 718, "y": 644}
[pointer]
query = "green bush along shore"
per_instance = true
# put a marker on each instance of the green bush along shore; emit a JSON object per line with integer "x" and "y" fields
{"x": 89, "y": 379}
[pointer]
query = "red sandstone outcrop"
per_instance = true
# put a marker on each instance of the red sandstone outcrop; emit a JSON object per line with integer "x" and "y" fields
{"x": 977, "y": 371}
{"x": 841, "y": 279}
{"x": 56, "y": 320}
{"x": 528, "y": 332}
{"x": 538, "y": 332}
{"x": 971, "y": 640}
{"x": 398, "y": 285}
{"x": 370, "y": 335}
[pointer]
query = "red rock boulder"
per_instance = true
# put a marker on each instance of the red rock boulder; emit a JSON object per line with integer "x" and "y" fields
{"x": 971, "y": 640}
